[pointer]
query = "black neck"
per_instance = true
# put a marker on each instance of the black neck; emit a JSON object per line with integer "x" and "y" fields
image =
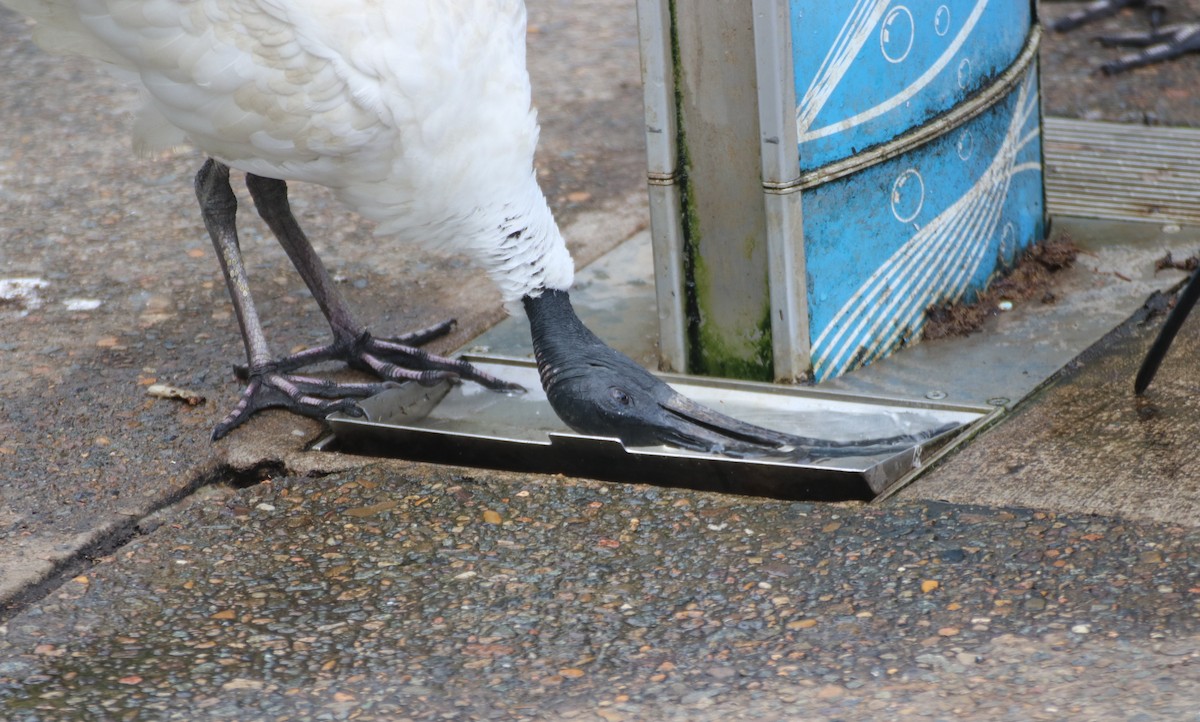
{"x": 552, "y": 315}
{"x": 560, "y": 339}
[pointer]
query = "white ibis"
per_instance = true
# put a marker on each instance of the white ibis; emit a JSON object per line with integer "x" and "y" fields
{"x": 417, "y": 113}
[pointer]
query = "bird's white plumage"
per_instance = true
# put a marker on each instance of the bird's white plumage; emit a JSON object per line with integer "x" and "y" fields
{"x": 416, "y": 112}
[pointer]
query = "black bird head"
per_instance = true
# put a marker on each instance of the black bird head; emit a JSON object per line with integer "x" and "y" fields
{"x": 600, "y": 392}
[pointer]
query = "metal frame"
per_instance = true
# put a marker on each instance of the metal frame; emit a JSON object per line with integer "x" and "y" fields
{"x": 662, "y": 157}
{"x": 416, "y": 423}
{"x": 780, "y": 181}
{"x": 673, "y": 105}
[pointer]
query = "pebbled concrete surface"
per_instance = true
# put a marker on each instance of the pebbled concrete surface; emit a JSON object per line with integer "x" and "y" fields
{"x": 341, "y": 588}
{"x": 407, "y": 592}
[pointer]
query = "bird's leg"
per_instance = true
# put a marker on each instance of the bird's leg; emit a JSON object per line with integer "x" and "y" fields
{"x": 395, "y": 359}
{"x": 267, "y": 387}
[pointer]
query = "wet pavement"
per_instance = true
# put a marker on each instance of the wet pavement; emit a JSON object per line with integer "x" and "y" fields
{"x": 412, "y": 592}
{"x": 1087, "y": 444}
{"x": 146, "y": 575}
{"x": 86, "y": 451}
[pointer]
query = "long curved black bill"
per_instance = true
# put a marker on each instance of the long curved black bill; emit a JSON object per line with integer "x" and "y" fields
{"x": 598, "y": 391}
{"x": 700, "y": 428}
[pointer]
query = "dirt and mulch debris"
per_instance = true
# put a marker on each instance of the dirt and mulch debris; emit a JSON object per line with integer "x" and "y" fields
{"x": 1031, "y": 279}
{"x": 1162, "y": 303}
{"x": 1187, "y": 264}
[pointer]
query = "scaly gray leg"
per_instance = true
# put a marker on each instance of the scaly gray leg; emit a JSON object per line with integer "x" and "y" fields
{"x": 267, "y": 387}
{"x": 395, "y": 359}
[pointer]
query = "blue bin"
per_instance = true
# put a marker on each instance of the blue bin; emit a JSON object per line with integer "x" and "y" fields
{"x": 867, "y": 72}
{"x": 898, "y": 166}
{"x": 935, "y": 223}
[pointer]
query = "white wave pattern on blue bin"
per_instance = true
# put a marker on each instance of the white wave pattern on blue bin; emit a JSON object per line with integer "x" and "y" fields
{"x": 934, "y": 266}
{"x": 860, "y": 26}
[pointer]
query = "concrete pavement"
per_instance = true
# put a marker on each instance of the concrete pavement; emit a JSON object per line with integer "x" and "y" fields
{"x": 149, "y": 576}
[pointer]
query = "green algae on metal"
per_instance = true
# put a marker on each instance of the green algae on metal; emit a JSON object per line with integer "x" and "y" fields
{"x": 710, "y": 352}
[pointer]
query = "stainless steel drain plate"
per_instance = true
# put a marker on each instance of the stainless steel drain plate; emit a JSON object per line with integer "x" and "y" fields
{"x": 469, "y": 426}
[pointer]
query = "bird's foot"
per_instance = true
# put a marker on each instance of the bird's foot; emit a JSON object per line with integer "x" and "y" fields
{"x": 394, "y": 360}
{"x": 270, "y": 388}
{"x": 398, "y": 358}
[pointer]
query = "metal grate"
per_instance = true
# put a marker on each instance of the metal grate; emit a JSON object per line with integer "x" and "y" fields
{"x": 1122, "y": 172}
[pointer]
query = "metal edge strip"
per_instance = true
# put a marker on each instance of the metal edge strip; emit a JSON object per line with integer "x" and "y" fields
{"x": 775, "y": 70}
{"x": 658, "y": 89}
{"x": 666, "y": 223}
{"x": 663, "y": 176}
{"x": 961, "y": 437}
{"x": 804, "y": 390}
{"x": 943, "y": 124}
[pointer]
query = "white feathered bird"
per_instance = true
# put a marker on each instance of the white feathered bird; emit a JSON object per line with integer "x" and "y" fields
{"x": 417, "y": 114}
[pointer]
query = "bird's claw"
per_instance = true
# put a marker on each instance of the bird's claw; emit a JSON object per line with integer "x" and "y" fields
{"x": 305, "y": 395}
{"x": 402, "y": 362}
{"x": 396, "y": 359}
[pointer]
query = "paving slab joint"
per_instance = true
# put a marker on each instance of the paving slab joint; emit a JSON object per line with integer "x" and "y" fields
{"x": 106, "y": 540}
